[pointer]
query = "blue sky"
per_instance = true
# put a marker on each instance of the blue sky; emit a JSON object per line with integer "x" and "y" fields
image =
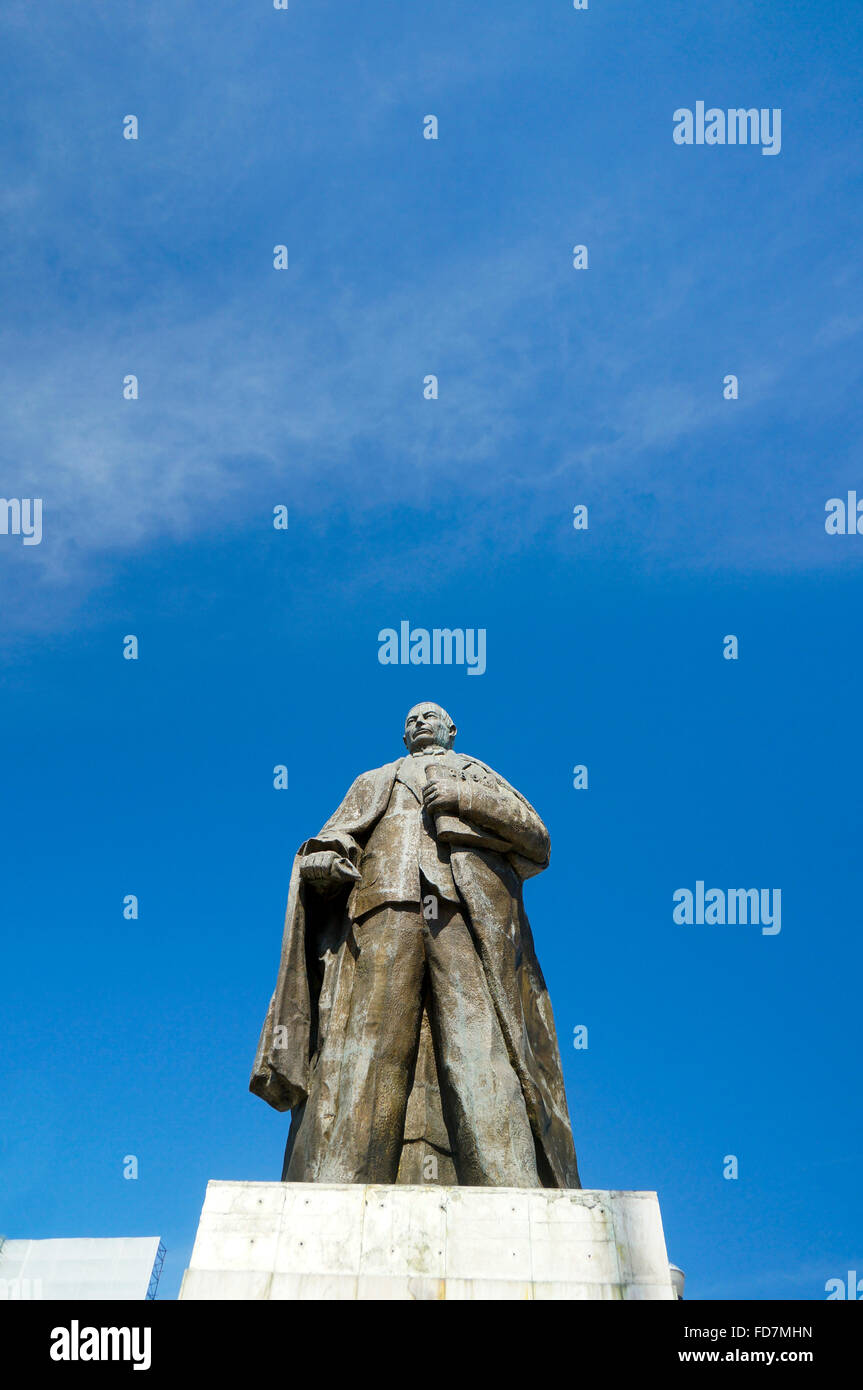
{"x": 258, "y": 647}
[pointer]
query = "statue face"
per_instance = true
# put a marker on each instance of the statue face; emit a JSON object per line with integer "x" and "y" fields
{"x": 428, "y": 725}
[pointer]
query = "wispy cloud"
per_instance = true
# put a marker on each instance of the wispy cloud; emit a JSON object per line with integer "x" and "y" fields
{"x": 310, "y": 382}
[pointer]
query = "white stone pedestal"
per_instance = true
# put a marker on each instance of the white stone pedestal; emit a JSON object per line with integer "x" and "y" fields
{"x": 273, "y": 1240}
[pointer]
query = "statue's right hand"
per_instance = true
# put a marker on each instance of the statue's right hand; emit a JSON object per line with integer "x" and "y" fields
{"x": 327, "y": 869}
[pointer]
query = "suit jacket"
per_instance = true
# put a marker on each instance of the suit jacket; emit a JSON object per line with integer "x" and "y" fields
{"x": 402, "y": 849}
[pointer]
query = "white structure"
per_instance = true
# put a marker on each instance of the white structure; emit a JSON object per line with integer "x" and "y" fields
{"x": 77, "y": 1269}
{"x": 273, "y": 1240}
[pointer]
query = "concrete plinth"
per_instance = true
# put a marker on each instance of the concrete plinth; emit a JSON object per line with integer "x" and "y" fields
{"x": 273, "y": 1240}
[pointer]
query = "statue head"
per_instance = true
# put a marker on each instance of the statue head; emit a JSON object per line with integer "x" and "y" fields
{"x": 428, "y": 725}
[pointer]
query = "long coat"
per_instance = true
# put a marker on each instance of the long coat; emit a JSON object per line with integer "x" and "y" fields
{"x": 313, "y": 988}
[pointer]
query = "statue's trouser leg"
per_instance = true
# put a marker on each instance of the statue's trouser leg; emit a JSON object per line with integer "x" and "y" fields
{"x": 364, "y": 1142}
{"x": 484, "y": 1107}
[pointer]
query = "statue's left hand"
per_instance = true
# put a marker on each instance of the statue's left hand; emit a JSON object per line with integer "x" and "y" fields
{"x": 441, "y": 797}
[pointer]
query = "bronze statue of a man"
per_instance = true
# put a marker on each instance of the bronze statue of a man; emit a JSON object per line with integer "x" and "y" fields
{"x": 411, "y": 1032}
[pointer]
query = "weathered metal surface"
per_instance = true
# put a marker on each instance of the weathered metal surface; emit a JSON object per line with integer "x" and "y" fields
{"x": 411, "y": 1031}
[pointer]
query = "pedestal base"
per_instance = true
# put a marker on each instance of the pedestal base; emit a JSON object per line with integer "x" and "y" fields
{"x": 273, "y": 1240}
